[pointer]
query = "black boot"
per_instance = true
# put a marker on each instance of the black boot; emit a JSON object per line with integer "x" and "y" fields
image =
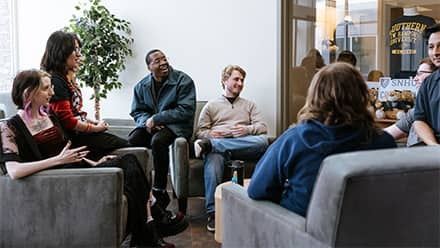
{"x": 162, "y": 198}
{"x": 167, "y": 223}
{"x": 152, "y": 238}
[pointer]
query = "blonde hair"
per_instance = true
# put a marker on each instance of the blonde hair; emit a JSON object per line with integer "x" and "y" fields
{"x": 25, "y": 83}
{"x": 227, "y": 72}
{"x": 374, "y": 75}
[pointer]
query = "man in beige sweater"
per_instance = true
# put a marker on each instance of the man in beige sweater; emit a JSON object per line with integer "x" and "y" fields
{"x": 229, "y": 128}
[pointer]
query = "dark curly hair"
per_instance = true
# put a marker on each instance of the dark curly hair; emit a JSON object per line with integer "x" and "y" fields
{"x": 59, "y": 47}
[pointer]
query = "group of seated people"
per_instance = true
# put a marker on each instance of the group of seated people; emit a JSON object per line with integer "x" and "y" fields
{"x": 335, "y": 119}
{"x": 50, "y": 130}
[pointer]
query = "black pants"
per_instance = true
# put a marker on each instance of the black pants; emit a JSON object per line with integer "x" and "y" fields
{"x": 137, "y": 191}
{"x": 159, "y": 143}
{"x": 99, "y": 144}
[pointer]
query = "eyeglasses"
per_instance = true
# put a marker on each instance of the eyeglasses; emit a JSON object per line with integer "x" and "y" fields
{"x": 77, "y": 50}
{"x": 159, "y": 60}
{"x": 419, "y": 73}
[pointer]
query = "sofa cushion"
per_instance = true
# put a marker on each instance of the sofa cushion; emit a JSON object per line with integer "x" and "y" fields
{"x": 375, "y": 204}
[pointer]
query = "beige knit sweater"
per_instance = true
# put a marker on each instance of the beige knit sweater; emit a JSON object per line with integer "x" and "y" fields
{"x": 220, "y": 114}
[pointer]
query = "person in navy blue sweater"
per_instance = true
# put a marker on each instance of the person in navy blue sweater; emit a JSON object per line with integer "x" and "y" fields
{"x": 335, "y": 119}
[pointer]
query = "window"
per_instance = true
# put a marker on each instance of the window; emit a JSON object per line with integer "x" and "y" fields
{"x": 315, "y": 32}
{"x": 7, "y": 44}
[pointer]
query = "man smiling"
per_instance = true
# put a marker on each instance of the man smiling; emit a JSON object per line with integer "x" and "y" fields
{"x": 229, "y": 127}
{"x": 427, "y": 110}
{"x": 163, "y": 107}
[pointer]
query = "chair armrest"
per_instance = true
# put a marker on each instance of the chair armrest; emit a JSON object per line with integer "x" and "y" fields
{"x": 61, "y": 208}
{"x": 143, "y": 156}
{"x": 271, "y": 139}
{"x": 120, "y": 127}
{"x": 179, "y": 167}
{"x": 250, "y": 223}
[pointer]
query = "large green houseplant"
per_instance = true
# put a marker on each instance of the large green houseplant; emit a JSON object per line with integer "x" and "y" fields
{"x": 106, "y": 42}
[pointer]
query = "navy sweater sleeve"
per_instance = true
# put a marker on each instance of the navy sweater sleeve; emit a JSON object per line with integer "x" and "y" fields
{"x": 271, "y": 171}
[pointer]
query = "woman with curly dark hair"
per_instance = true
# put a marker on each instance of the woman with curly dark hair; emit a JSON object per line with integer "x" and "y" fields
{"x": 335, "y": 119}
{"x": 62, "y": 59}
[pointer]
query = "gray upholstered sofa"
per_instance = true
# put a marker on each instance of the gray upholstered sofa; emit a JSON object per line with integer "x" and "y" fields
{"x": 384, "y": 198}
{"x": 7, "y": 107}
{"x": 65, "y": 207}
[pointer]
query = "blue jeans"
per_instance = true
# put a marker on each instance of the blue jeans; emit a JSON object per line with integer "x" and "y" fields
{"x": 243, "y": 148}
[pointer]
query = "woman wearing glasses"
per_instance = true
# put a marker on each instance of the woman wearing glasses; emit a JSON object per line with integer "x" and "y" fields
{"x": 62, "y": 59}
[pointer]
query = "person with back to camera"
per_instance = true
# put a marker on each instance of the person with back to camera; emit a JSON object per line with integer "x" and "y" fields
{"x": 229, "y": 128}
{"x": 335, "y": 119}
{"x": 163, "y": 107}
{"x": 404, "y": 126}
{"x": 347, "y": 57}
{"x": 427, "y": 112}
{"x": 62, "y": 59}
{"x": 34, "y": 140}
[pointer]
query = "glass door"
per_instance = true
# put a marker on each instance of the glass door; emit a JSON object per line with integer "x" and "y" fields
{"x": 314, "y": 33}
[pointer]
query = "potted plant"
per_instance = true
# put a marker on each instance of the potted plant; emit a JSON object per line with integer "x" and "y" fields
{"x": 106, "y": 43}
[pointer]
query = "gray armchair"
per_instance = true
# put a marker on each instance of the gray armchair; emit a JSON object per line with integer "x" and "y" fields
{"x": 65, "y": 207}
{"x": 383, "y": 198}
{"x": 121, "y": 128}
{"x": 187, "y": 171}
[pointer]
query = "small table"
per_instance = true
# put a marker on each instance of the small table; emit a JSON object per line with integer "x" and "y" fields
{"x": 218, "y": 209}
{"x": 383, "y": 123}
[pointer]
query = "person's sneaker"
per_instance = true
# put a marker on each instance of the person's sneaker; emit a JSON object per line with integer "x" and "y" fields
{"x": 202, "y": 146}
{"x": 211, "y": 223}
{"x": 167, "y": 223}
{"x": 162, "y": 198}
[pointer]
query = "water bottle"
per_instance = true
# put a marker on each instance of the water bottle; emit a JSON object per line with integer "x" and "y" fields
{"x": 237, "y": 172}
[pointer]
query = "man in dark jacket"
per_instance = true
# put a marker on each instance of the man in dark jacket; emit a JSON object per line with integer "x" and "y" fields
{"x": 163, "y": 107}
{"x": 427, "y": 111}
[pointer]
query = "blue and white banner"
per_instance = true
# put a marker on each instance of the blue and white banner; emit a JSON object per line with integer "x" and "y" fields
{"x": 386, "y": 85}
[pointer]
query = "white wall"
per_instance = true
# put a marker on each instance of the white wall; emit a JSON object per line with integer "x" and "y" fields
{"x": 200, "y": 37}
